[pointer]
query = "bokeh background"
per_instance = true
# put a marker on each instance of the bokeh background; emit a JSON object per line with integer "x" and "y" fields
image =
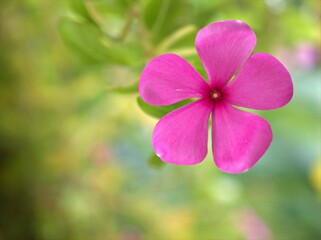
{"x": 75, "y": 142}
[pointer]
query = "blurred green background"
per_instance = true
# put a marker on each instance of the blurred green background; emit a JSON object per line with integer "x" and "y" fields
{"x": 75, "y": 146}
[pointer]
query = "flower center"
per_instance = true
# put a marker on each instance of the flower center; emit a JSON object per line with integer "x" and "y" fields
{"x": 216, "y": 95}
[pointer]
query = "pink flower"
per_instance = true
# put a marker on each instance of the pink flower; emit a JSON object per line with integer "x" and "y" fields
{"x": 239, "y": 139}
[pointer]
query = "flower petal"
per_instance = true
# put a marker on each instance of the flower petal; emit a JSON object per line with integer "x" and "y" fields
{"x": 239, "y": 138}
{"x": 180, "y": 137}
{"x": 223, "y": 47}
{"x": 169, "y": 79}
{"x": 263, "y": 83}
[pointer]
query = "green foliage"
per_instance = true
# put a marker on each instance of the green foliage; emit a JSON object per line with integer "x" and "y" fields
{"x": 155, "y": 161}
{"x": 159, "y": 111}
{"x": 128, "y": 89}
{"x": 79, "y": 7}
{"x": 160, "y": 16}
{"x": 75, "y": 142}
{"x": 89, "y": 43}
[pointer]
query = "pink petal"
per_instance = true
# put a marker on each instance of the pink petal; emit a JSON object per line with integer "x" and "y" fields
{"x": 180, "y": 137}
{"x": 263, "y": 83}
{"x": 168, "y": 79}
{"x": 223, "y": 47}
{"x": 239, "y": 138}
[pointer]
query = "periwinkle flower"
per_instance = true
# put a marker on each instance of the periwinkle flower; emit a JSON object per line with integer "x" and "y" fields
{"x": 239, "y": 138}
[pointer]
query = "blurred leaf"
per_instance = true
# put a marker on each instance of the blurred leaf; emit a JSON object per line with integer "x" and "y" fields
{"x": 88, "y": 42}
{"x": 160, "y": 15}
{"x": 109, "y": 16}
{"x": 127, "y": 89}
{"x": 119, "y": 7}
{"x": 194, "y": 60}
{"x": 175, "y": 37}
{"x": 185, "y": 52}
{"x": 79, "y": 7}
{"x": 153, "y": 11}
{"x": 159, "y": 111}
{"x": 155, "y": 161}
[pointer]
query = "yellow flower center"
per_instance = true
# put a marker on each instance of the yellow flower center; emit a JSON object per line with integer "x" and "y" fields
{"x": 216, "y": 95}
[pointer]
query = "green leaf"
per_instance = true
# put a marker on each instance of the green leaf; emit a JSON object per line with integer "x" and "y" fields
{"x": 159, "y": 111}
{"x": 125, "y": 90}
{"x": 195, "y": 61}
{"x": 173, "y": 38}
{"x": 108, "y": 16}
{"x": 90, "y": 45}
{"x": 155, "y": 161}
{"x": 79, "y": 7}
{"x": 160, "y": 16}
